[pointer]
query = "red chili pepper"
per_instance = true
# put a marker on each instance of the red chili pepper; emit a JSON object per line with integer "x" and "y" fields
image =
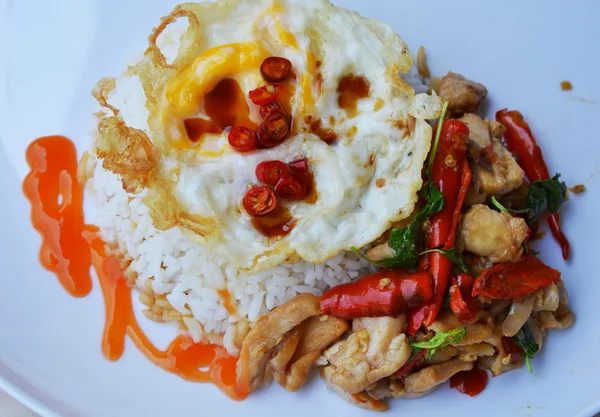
{"x": 300, "y": 165}
{"x": 291, "y": 187}
{"x": 260, "y": 201}
{"x": 266, "y": 95}
{"x": 275, "y": 69}
{"x": 243, "y": 139}
{"x": 388, "y": 293}
{"x": 520, "y": 140}
{"x": 410, "y": 365}
{"x": 514, "y": 280}
{"x": 274, "y": 128}
{"x": 270, "y": 172}
{"x": 462, "y": 303}
{"x": 451, "y": 174}
{"x": 268, "y": 108}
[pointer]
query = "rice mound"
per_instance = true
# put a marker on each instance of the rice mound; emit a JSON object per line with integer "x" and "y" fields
{"x": 180, "y": 281}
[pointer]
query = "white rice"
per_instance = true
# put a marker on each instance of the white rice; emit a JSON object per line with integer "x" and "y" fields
{"x": 190, "y": 275}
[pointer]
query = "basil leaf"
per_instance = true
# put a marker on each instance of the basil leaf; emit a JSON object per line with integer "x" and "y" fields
{"x": 440, "y": 340}
{"x": 543, "y": 196}
{"x": 526, "y": 340}
{"x": 406, "y": 241}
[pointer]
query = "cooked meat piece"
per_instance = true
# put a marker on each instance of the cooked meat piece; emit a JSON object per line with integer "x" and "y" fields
{"x": 501, "y": 173}
{"x": 477, "y": 332}
{"x": 428, "y": 378}
{"x": 474, "y": 194}
{"x": 496, "y": 130}
{"x": 361, "y": 399}
{"x": 380, "y": 252}
{"x": 546, "y": 299}
{"x": 268, "y": 332}
{"x": 517, "y": 316}
{"x": 479, "y": 129}
{"x": 463, "y": 95}
{"x": 390, "y": 387}
{"x": 492, "y": 234}
{"x": 501, "y": 362}
{"x": 316, "y": 334}
{"x": 377, "y": 348}
{"x": 284, "y": 351}
{"x": 506, "y": 176}
{"x": 536, "y": 331}
{"x": 442, "y": 355}
{"x": 562, "y": 318}
{"x": 471, "y": 353}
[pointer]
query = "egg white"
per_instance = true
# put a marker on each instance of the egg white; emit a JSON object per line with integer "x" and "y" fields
{"x": 373, "y": 148}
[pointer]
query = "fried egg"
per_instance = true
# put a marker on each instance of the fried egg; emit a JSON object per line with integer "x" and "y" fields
{"x": 364, "y": 180}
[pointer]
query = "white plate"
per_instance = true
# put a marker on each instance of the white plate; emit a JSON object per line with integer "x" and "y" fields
{"x": 54, "y": 51}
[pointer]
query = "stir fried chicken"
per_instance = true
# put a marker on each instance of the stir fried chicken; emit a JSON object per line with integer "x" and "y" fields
{"x": 477, "y": 332}
{"x": 492, "y": 234}
{"x": 377, "y": 348}
{"x": 267, "y": 334}
{"x": 429, "y": 378}
{"x": 463, "y": 95}
{"x": 495, "y": 171}
{"x": 314, "y": 335}
{"x": 361, "y": 399}
{"x": 285, "y": 344}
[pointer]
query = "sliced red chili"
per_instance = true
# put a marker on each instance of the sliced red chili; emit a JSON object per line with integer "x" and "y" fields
{"x": 275, "y": 69}
{"x": 268, "y": 108}
{"x": 300, "y": 165}
{"x": 514, "y": 280}
{"x": 270, "y": 172}
{"x": 266, "y": 95}
{"x": 274, "y": 128}
{"x": 243, "y": 139}
{"x": 291, "y": 187}
{"x": 260, "y": 201}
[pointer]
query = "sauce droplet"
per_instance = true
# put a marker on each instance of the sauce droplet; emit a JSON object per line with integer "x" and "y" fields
{"x": 470, "y": 382}
{"x": 352, "y": 88}
{"x": 56, "y": 199}
{"x": 276, "y": 224}
{"x": 70, "y": 248}
{"x": 327, "y": 135}
{"x": 226, "y": 105}
{"x": 566, "y": 86}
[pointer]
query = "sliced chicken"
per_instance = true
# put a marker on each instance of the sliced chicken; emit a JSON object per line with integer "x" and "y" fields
{"x": 428, "y": 378}
{"x": 376, "y": 349}
{"x": 495, "y": 170}
{"x": 442, "y": 355}
{"x": 477, "y": 332}
{"x": 502, "y": 361}
{"x": 519, "y": 313}
{"x": 492, "y": 234}
{"x": 471, "y": 353}
{"x": 562, "y": 318}
{"x": 463, "y": 95}
{"x": 284, "y": 351}
{"x": 390, "y": 387}
{"x": 315, "y": 334}
{"x": 546, "y": 299}
{"x": 268, "y": 332}
{"x": 381, "y": 252}
{"x": 361, "y": 399}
